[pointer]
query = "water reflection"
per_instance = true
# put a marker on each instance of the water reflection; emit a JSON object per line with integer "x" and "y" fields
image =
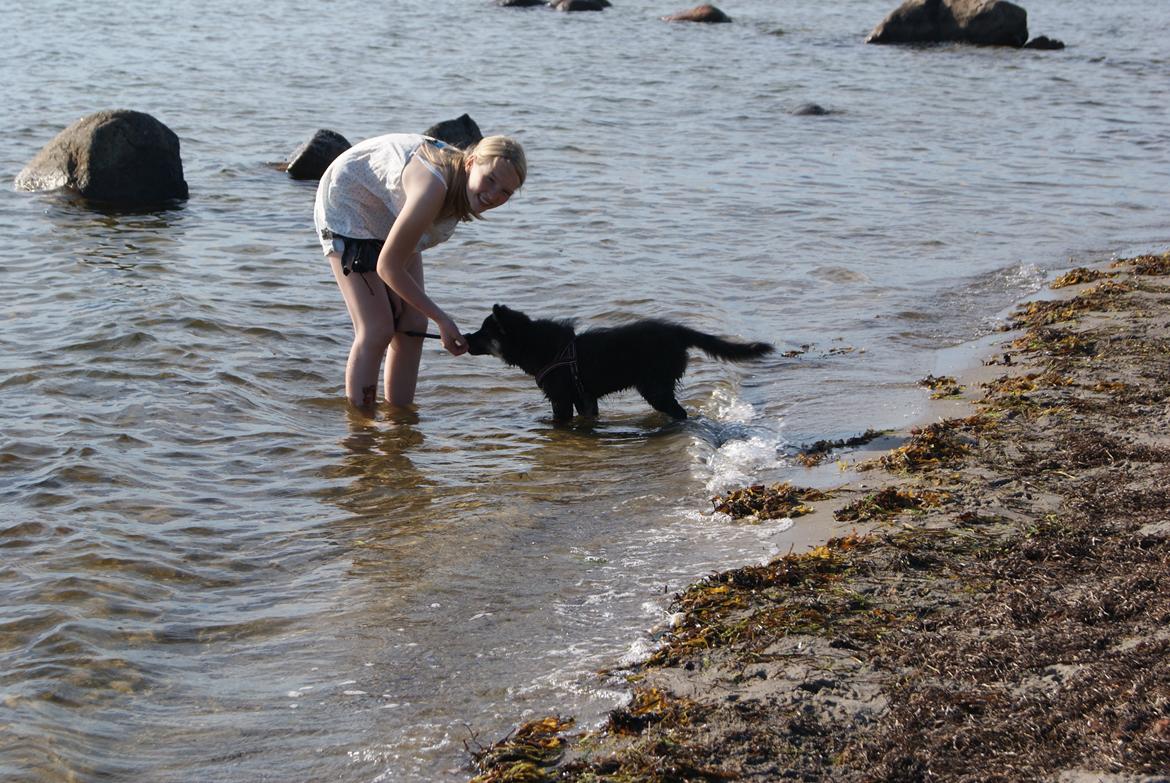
{"x": 125, "y": 239}
{"x": 104, "y": 213}
{"x": 385, "y": 481}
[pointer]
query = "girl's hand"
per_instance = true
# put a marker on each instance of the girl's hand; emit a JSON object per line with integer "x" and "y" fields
{"x": 452, "y": 338}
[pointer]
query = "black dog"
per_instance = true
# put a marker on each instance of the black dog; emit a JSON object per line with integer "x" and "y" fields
{"x": 576, "y": 369}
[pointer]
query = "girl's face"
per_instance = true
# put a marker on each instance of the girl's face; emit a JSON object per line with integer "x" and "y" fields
{"x": 490, "y": 183}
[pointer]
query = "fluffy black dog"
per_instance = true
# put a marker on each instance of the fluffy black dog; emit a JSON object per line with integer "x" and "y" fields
{"x": 574, "y": 370}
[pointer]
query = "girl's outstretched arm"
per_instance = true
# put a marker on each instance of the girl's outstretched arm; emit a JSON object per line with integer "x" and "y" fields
{"x": 424, "y": 196}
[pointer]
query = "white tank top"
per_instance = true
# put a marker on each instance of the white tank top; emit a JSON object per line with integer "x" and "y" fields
{"x": 361, "y": 194}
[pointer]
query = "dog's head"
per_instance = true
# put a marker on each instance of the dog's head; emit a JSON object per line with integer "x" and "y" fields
{"x": 496, "y": 329}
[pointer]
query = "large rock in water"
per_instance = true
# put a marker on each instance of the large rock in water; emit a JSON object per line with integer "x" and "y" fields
{"x": 120, "y": 157}
{"x": 700, "y": 13}
{"x": 461, "y": 132}
{"x": 310, "y": 160}
{"x": 980, "y": 22}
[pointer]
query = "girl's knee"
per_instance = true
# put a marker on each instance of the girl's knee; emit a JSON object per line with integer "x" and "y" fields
{"x": 374, "y": 337}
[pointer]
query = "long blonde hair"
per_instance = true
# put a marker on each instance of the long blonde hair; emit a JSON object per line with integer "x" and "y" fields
{"x": 453, "y": 163}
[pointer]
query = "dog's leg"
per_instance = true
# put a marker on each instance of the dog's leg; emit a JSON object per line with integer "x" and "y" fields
{"x": 587, "y": 407}
{"x": 562, "y": 409}
{"x": 663, "y": 400}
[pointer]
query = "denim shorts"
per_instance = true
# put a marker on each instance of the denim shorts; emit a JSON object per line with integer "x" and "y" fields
{"x": 357, "y": 255}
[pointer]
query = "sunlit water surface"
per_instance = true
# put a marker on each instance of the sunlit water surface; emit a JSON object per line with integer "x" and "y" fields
{"x": 212, "y": 571}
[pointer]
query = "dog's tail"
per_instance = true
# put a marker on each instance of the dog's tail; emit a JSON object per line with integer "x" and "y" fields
{"x": 719, "y": 348}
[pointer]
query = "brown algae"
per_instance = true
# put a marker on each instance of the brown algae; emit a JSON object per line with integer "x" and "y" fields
{"x": 761, "y": 502}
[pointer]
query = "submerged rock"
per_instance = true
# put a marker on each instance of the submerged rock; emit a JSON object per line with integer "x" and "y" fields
{"x": 810, "y": 110}
{"x": 310, "y": 160}
{"x": 461, "y": 132}
{"x": 1044, "y": 42}
{"x": 700, "y": 13}
{"x": 580, "y": 5}
{"x": 117, "y": 156}
{"x": 980, "y": 22}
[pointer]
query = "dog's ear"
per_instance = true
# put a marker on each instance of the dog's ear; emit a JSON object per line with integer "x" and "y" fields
{"x": 505, "y": 313}
{"x": 499, "y": 314}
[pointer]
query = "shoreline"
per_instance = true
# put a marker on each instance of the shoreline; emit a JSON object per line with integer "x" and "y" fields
{"x": 992, "y": 601}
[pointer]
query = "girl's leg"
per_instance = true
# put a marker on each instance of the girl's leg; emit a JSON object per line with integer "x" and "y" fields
{"x": 366, "y": 298}
{"x": 405, "y": 351}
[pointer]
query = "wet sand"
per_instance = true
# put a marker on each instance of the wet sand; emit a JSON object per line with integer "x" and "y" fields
{"x": 994, "y": 603}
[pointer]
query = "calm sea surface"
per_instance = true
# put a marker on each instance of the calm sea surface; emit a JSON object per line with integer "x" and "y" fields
{"x": 211, "y": 571}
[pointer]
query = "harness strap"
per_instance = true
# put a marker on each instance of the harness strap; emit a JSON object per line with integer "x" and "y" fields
{"x": 566, "y": 358}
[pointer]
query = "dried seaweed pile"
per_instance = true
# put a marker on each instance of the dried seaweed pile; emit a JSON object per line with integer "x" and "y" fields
{"x": 526, "y": 755}
{"x": 816, "y": 453}
{"x": 748, "y": 607}
{"x": 941, "y": 386}
{"x": 1058, "y": 661}
{"x": 1012, "y": 627}
{"x": 760, "y": 502}
{"x": 933, "y": 446}
{"x": 889, "y": 501}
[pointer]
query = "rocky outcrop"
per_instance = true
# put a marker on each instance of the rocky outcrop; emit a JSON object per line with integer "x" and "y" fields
{"x": 461, "y": 132}
{"x": 310, "y": 160}
{"x": 120, "y": 157}
{"x": 980, "y": 22}
{"x": 520, "y": 3}
{"x": 700, "y": 13}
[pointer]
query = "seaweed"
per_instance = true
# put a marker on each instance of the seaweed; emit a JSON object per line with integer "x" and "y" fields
{"x": 650, "y": 706}
{"x": 936, "y": 445}
{"x": 1057, "y": 343}
{"x": 762, "y": 502}
{"x": 1102, "y": 297}
{"x": 814, "y": 454}
{"x": 524, "y": 756}
{"x": 943, "y": 386}
{"x": 1029, "y": 395}
{"x": 796, "y": 585}
{"x": 1147, "y": 264}
{"x": 888, "y": 502}
{"x": 1078, "y": 276}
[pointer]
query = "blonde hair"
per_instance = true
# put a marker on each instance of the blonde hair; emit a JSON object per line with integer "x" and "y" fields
{"x": 453, "y": 162}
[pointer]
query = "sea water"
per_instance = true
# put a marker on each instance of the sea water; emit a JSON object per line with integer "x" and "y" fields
{"x": 211, "y": 570}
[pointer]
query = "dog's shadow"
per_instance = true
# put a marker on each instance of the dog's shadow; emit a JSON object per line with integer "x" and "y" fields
{"x": 632, "y": 427}
{"x": 714, "y": 433}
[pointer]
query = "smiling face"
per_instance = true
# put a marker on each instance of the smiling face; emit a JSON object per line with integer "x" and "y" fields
{"x": 490, "y": 182}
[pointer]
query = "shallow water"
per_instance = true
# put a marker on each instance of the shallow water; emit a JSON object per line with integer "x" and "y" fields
{"x": 213, "y": 571}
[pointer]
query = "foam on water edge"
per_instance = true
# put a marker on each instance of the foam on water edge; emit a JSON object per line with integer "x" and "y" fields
{"x": 744, "y": 447}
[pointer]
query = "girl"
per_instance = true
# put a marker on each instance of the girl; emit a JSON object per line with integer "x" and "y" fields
{"x": 379, "y": 205}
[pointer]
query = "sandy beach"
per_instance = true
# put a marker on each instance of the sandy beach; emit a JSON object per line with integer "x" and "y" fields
{"x": 993, "y": 604}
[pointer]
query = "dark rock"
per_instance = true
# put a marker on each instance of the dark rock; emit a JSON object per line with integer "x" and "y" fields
{"x": 580, "y": 5}
{"x": 810, "y": 110}
{"x": 462, "y": 132}
{"x": 520, "y": 3}
{"x": 120, "y": 157}
{"x": 980, "y": 22}
{"x": 1044, "y": 42}
{"x": 700, "y": 13}
{"x": 310, "y": 160}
